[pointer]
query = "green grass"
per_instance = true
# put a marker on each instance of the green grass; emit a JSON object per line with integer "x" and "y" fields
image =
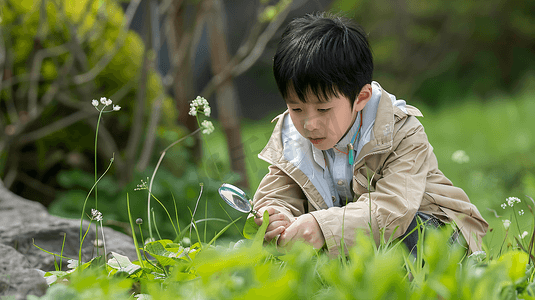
{"x": 497, "y": 136}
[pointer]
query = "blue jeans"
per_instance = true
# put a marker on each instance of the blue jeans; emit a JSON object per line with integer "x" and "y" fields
{"x": 411, "y": 235}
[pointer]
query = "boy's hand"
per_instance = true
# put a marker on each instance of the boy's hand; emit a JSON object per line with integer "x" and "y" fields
{"x": 278, "y": 222}
{"x": 304, "y": 228}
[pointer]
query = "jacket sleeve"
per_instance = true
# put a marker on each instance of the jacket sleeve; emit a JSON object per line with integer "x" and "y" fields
{"x": 395, "y": 197}
{"x": 280, "y": 191}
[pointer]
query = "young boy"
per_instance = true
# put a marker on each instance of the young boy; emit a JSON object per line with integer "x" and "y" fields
{"x": 344, "y": 140}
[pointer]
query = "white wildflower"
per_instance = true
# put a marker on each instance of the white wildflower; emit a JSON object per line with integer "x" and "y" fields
{"x": 193, "y": 111}
{"x": 478, "y": 255}
{"x": 200, "y": 104}
{"x": 524, "y": 234}
{"x": 460, "y": 157}
{"x": 103, "y": 100}
{"x": 506, "y": 223}
{"x": 94, "y": 102}
{"x": 143, "y": 186}
{"x": 503, "y": 205}
{"x": 512, "y": 200}
{"x": 207, "y": 126}
{"x": 116, "y": 107}
{"x": 51, "y": 279}
{"x": 109, "y": 102}
{"x": 521, "y": 212}
{"x": 96, "y": 215}
{"x": 72, "y": 263}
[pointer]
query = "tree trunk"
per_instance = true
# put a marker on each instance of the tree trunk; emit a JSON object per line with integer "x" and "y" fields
{"x": 180, "y": 39}
{"x": 226, "y": 94}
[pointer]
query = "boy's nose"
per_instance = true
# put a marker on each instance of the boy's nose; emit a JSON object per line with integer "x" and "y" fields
{"x": 311, "y": 124}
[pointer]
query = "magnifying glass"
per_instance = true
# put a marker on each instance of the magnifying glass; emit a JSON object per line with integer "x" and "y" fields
{"x": 236, "y": 198}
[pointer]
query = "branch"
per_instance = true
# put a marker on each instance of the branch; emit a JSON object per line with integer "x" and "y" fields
{"x": 136, "y": 129}
{"x": 65, "y": 99}
{"x": 237, "y": 64}
{"x": 36, "y": 72}
{"x": 177, "y": 57}
{"x": 36, "y": 184}
{"x": 12, "y": 165}
{"x": 148, "y": 146}
{"x": 54, "y": 127}
{"x": 102, "y": 63}
{"x": 8, "y": 71}
{"x": 166, "y": 4}
{"x": 54, "y": 87}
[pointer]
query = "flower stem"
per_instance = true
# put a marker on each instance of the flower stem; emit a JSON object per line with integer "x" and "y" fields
{"x": 83, "y": 209}
{"x": 95, "y": 159}
{"x": 149, "y": 217}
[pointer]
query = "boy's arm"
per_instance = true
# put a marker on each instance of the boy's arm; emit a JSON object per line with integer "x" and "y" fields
{"x": 395, "y": 201}
{"x": 278, "y": 193}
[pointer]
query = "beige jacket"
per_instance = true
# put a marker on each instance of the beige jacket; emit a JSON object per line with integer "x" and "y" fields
{"x": 406, "y": 180}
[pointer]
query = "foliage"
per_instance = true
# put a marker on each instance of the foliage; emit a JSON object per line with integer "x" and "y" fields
{"x": 55, "y": 55}
{"x": 245, "y": 269}
{"x": 499, "y": 152}
{"x": 439, "y": 52}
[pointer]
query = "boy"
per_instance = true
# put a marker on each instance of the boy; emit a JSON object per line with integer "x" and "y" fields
{"x": 342, "y": 134}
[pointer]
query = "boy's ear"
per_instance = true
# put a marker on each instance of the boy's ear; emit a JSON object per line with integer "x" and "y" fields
{"x": 363, "y": 97}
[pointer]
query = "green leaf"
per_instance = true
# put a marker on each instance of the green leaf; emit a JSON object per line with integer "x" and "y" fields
{"x": 250, "y": 229}
{"x": 168, "y": 253}
{"x": 123, "y": 264}
{"x": 222, "y": 231}
{"x": 259, "y": 237}
{"x": 157, "y": 250}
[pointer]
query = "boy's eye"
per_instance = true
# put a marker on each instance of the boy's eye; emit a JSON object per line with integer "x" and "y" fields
{"x": 323, "y": 109}
{"x": 296, "y": 109}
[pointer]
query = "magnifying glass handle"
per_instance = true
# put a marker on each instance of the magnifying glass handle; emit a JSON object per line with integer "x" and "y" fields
{"x": 255, "y": 213}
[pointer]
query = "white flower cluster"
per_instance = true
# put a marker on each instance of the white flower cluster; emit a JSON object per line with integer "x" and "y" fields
{"x": 460, "y": 157}
{"x": 478, "y": 255}
{"x": 143, "y": 186}
{"x": 511, "y": 202}
{"x": 106, "y": 102}
{"x": 207, "y": 127}
{"x": 72, "y": 263}
{"x": 96, "y": 215}
{"x": 506, "y": 223}
{"x": 524, "y": 234}
{"x": 200, "y": 105}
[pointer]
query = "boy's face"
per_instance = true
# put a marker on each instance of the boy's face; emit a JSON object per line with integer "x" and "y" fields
{"x": 325, "y": 123}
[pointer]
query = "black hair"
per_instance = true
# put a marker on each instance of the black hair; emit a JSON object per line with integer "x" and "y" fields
{"x": 324, "y": 54}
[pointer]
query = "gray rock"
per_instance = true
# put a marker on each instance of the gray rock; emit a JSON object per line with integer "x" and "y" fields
{"x": 17, "y": 278}
{"x": 24, "y": 223}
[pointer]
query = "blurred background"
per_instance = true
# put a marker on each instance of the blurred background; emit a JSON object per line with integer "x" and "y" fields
{"x": 468, "y": 65}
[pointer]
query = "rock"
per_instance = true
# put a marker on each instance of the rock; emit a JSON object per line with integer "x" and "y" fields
{"x": 48, "y": 235}
{"x": 17, "y": 278}
{"x": 24, "y": 222}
